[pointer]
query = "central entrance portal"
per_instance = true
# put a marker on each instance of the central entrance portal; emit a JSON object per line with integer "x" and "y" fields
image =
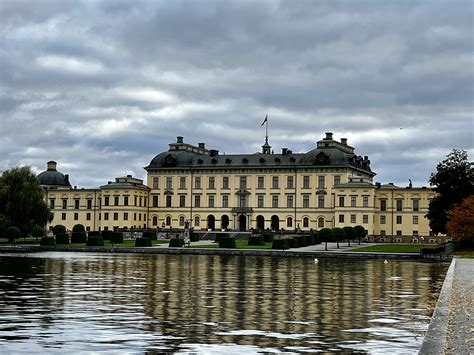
{"x": 242, "y": 223}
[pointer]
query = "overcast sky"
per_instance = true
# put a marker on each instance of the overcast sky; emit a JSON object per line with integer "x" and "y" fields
{"x": 101, "y": 87}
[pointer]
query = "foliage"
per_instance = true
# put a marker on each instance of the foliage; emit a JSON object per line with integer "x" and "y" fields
{"x": 310, "y": 240}
{"x": 12, "y": 233}
{"x": 59, "y": 228}
{"x": 176, "y": 243}
{"x": 37, "y": 232}
{"x": 326, "y": 235}
{"x": 95, "y": 242}
{"x": 78, "y": 228}
{"x": 267, "y": 236}
{"x": 93, "y": 234}
{"x": 22, "y": 199}
{"x": 227, "y": 242}
{"x": 256, "y": 240}
{"x": 48, "y": 241}
{"x": 350, "y": 234}
{"x": 105, "y": 234}
{"x": 143, "y": 242}
{"x": 150, "y": 235}
{"x": 80, "y": 237}
{"x": 302, "y": 241}
{"x": 280, "y": 244}
{"x": 193, "y": 237}
{"x": 453, "y": 181}
{"x": 4, "y": 223}
{"x": 460, "y": 225}
{"x": 219, "y": 236}
{"x": 339, "y": 235}
{"x": 359, "y": 232}
{"x": 116, "y": 238}
{"x": 62, "y": 238}
{"x": 293, "y": 243}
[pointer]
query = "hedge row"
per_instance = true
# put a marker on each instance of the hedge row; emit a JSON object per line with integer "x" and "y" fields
{"x": 227, "y": 242}
{"x": 176, "y": 243}
{"x": 256, "y": 240}
{"x": 143, "y": 242}
{"x": 62, "y": 238}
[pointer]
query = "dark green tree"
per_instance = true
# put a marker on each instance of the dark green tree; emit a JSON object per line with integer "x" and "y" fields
{"x": 78, "y": 228}
{"x": 339, "y": 235}
{"x": 326, "y": 235}
{"x": 12, "y": 233}
{"x": 22, "y": 199}
{"x": 37, "y": 232}
{"x": 350, "y": 234}
{"x": 360, "y": 232}
{"x": 453, "y": 181}
{"x": 59, "y": 229}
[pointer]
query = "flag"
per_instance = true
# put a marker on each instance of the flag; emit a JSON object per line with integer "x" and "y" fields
{"x": 265, "y": 120}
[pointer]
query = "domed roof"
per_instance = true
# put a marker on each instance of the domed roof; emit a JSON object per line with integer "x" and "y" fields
{"x": 325, "y": 156}
{"x": 53, "y": 178}
{"x": 172, "y": 158}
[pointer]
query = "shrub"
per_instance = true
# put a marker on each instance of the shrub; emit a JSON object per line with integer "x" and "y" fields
{"x": 143, "y": 242}
{"x": 150, "y": 235}
{"x": 78, "y": 228}
{"x": 93, "y": 234}
{"x": 116, "y": 237}
{"x": 227, "y": 242}
{"x": 256, "y": 240}
{"x": 193, "y": 237}
{"x": 48, "y": 241}
{"x": 37, "y": 232}
{"x": 105, "y": 234}
{"x": 268, "y": 237}
{"x": 80, "y": 237}
{"x": 326, "y": 235}
{"x": 280, "y": 244}
{"x": 350, "y": 234}
{"x": 339, "y": 235}
{"x": 293, "y": 243}
{"x": 359, "y": 232}
{"x": 302, "y": 241}
{"x": 310, "y": 239}
{"x": 176, "y": 243}
{"x": 62, "y": 238}
{"x": 95, "y": 242}
{"x": 59, "y": 228}
{"x": 317, "y": 239}
{"x": 219, "y": 236}
{"x": 12, "y": 233}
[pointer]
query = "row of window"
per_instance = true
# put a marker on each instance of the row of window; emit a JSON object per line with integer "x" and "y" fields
{"x": 243, "y": 180}
{"x": 383, "y": 233}
{"x": 399, "y": 205}
{"x": 353, "y": 199}
{"x": 365, "y": 218}
{"x": 139, "y": 201}
{"x": 106, "y": 216}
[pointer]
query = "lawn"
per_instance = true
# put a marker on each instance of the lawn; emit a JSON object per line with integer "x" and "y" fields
{"x": 465, "y": 253}
{"x": 239, "y": 244}
{"x": 392, "y": 248}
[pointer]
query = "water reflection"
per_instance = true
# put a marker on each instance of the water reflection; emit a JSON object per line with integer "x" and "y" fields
{"x": 83, "y": 302}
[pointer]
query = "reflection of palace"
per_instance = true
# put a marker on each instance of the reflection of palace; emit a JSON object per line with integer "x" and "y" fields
{"x": 329, "y": 186}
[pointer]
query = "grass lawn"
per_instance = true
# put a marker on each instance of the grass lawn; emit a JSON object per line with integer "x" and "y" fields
{"x": 465, "y": 253}
{"x": 392, "y": 248}
{"x": 239, "y": 244}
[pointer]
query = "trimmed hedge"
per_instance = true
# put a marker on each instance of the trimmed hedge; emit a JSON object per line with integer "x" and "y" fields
{"x": 193, "y": 237}
{"x": 256, "y": 240}
{"x": 227, "y": 242}
{"x": 46, "y": 241}
{"x": 95, "y": 242}
{"x": 176, "y": 243}
{"x": 79, "y": 237}
{"x": 150, "y": 235}
{"x": 267, "y": 237}
{"x": 37, "y": 232}
{"x": 105, "y": 234}
{"x": 142, "y": 242}
{"x": 310, "y": 240}
{"x": 78, "y": 228}
{"x": 293, "y": 243}
{"x": 116, "y": 237}
{"x": 59, "y": 228}
{"x": 62, "y": 238}
{"x": 93, "y": 234}
{"x": 219, "y": 236}
{"x": 302, "y": 241}
{"x": 280, "y": 244}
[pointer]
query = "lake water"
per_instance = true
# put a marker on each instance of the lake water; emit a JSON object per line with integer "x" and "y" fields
{"x": 80, "y": 302}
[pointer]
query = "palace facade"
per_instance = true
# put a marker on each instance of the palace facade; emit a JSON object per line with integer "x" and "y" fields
{"x": 329, "y": 186}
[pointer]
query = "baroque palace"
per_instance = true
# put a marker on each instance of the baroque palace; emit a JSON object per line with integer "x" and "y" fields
{"x": 329, "y": 186}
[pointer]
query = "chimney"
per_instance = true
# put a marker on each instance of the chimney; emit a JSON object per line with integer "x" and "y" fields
{"x": 366, "y": 157}
{"x": 179, "y": 139}
{"x": 214, "y": 152}
{"x": 284, "y": 151}
{"x": 202, "y": 145}
{"x": 328, "y": 136}
{"x": 66, "y": 178}
{"x": 344, "y": 141}
{"x": 378, "y": 185}
{"x": 51, "y": 165}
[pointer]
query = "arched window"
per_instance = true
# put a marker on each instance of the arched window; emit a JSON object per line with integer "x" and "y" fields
{"x": 289, "y": 222}
{"x": 305, "y": 222}
{"x": 181, "y": 221}
{"x": 168, "y": 220}
{"x": 155, "y": 220}
{"x": 196, "y": 221}
{"x": 320, "y": 222}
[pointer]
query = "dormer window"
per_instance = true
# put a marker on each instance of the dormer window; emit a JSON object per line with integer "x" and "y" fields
{"x": 262, "y": 161}
{"x": 245, "y": 161}
{"x": 277, "y": 160}
{"x": 228, "y": 161}
{"x": 214, "y": 161}
{"x": 200, "y": 161}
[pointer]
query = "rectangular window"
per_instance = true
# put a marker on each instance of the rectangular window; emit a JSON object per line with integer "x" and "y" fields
{"x": 116, "y": 200}
{"x": 383, "y": 219}
{"x": 416, "y": 205}
{"x": 182, "y": 182}
{"x": 415, "y": 233}
{"x": 182, "y": 200}
{"x": 169, "y": 182}
{"x": 365, "y": 218}
{"x": 260, "y": 199}
{"x": 76, "y": 216}
{"x": 115, "y": 216}
{"x": 51, "y": 203}
{"x": 243, "y": 201}
{"x": 125, "y": 200}
{"x": 106, "y": 200}
{"x": 225, "y": 182}
{"x": 211, "y": 200}
{"x": 140, "y": 201}
{"x": 289, "y": 222}
{"x": 212, "y": 182}
{"x": 341, "y": 218}
{"x": 321, "y": 182}
{"x": 353, "y": 201}
{"x": 415, "y": 219}
{"x": 383, "y": 205}
{"x": 225, "y": 201}
{"x": 261, "y": 182}
{"x": 106, "y": 216}
{"x": 320, "y": 201}
{"x": 89, "y": 204}
{"x": 197, "y": 182}
{"x": 76, "y": 204}
{"x": 88, "y": 216}
{"x": 135, "y": 216}
{"x": 168, "y": 201}
{"x": 63, "y": 216}
{"x": 274, "y": 182}
{"x": 399, "y": 219}
{"x": 383, "y": 233}
{"x": 139, "y": 216}
{"x": 275, "y": 201}
{"x": 243, "y": 183}
{"x": 125, "y": 216}
{"x": 341, "y": 201}
{"x": 306, "y": 182}
{"x": 155, "y": 183}
{"x": 100, "y": 215}
{"x": 64, "y": 203}
{"x": 289, "y": 201}
{"x": 289, "y": 182}
{"x": 155, "y": 201}
{"x": 337, "y": 179}
{"x": 136, "y": 200}
{"x": 365, "y": 201}
{"x": 305, "y": 201}
{"x": 399, "y": 205}
{"x": 353, "y": 218}
{"x": 197, "y": 201}
{"x": 399, "y": 232}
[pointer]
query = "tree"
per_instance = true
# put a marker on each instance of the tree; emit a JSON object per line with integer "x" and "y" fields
{"x": 59, "y": 229}
{"x": 22, "y": 199}
{"x": 326, "y": 235}
{"x": 360, "y": 232}
{"x": 460, "y": 225}
{"x": 37, "y": 232}
{"x": 350, "y": 234}
{"x": 339, "y": 235}
{"x": 78, "y": 228}
{"x": 453, "y": 181}
{"x": 12, "y": 233}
